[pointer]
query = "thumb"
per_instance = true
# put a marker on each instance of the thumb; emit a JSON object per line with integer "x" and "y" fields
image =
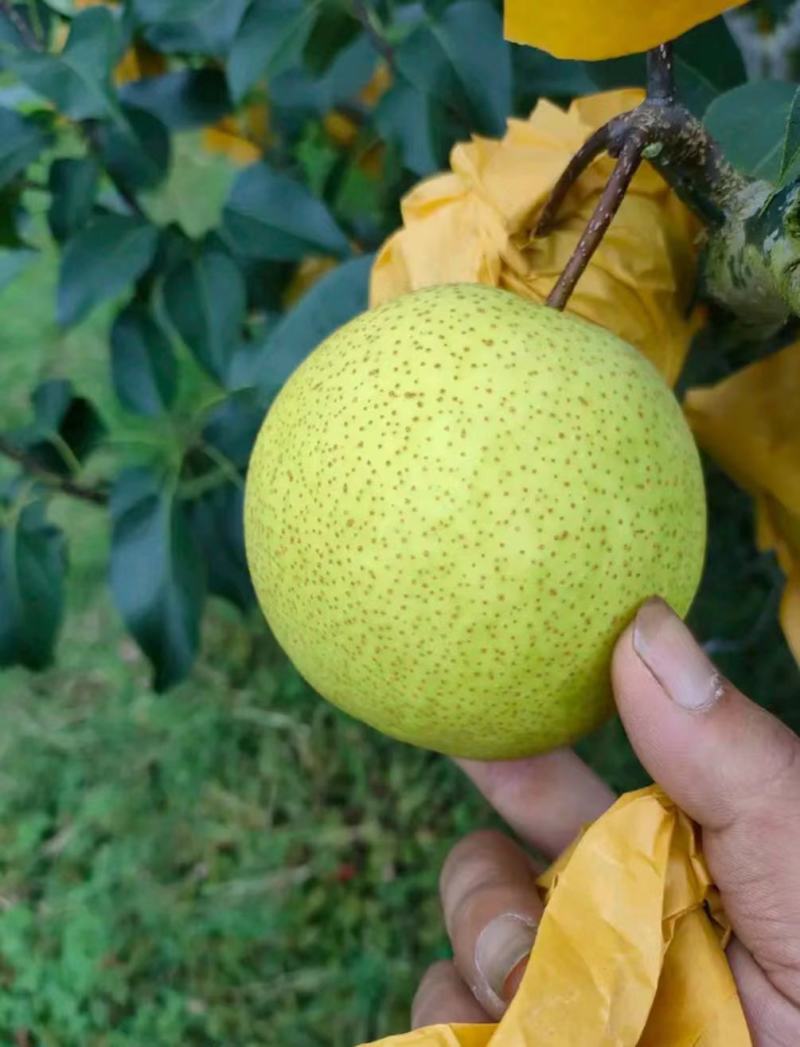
{"x": 732, "y": 767}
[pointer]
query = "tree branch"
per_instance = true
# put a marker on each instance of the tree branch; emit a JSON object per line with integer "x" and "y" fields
{"x": 95, "y": 495}
{"x": 27, "y": 35}
{"x": 687, "y": 158}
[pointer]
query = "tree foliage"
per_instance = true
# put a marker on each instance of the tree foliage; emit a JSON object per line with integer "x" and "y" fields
{"x": 340, "y": 106}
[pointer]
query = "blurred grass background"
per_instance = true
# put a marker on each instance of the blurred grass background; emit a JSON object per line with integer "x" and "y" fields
{"x": 236, "y": 862}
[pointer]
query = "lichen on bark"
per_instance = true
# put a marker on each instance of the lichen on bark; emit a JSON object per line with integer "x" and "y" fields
{"x": 752, "y": 261}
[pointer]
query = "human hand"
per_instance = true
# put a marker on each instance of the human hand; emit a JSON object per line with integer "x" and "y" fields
{"x": 728, "y": 763}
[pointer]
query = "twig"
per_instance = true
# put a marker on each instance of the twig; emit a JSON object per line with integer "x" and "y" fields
{"x": 34, "y": 186}
{"x": 382, "y": 46}
{"x": 95, "y": 495}
{"x": 27, "y": 34}
{"x": 607, "y": 207}
{"x": 380, "y": 43}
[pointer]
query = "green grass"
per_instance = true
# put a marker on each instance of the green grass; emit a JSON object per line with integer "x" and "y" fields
{"x": 236, "y": 862}
{"x": 233, "y": 863}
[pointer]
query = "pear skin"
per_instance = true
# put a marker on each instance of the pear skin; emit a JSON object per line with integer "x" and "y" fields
{"x": 456, "y": 504}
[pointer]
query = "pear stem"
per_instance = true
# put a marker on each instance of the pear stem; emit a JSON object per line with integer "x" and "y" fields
{"x": 627, "y": 165}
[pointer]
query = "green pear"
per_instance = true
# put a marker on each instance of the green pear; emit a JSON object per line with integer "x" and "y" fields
{"x": 456, "y": 504}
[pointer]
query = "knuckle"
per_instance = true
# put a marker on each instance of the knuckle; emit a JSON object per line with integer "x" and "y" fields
{"x": 782, "y": 774}
{"x": 481, "y": 841}
{"x": 473, "y": 851}
{"x": 436, "y": 973}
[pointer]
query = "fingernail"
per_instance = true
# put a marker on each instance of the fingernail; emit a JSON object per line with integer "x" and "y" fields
{"x": 674, "y": 657}
{"x": 502, "y": 945}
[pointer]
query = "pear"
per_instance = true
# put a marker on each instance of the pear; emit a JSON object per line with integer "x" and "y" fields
{"x": 456, "y": 504}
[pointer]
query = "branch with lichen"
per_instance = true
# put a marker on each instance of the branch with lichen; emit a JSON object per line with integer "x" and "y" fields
{"x": 751, "y": 262}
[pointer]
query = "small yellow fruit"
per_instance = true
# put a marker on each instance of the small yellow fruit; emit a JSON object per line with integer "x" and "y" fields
{"x": 454, "y": 506}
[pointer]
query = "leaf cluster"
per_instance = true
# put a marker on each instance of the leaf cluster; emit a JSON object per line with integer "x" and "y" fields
{"x": 203, "y": 325}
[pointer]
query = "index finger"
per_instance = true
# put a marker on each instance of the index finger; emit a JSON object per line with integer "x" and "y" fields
{"x": 545, "y": 799}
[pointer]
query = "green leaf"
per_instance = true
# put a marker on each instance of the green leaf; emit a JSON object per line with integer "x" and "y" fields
{"x": 61, "y": 7}
{"x": 537, "y": 73}
{"x": 271, "y": 38}
{"x": 339, "y": 296}
{"x": 455, "y": 77}
{"x": 462, "y": 60}
{"x": 348, "y": 73}
{"x": 205, "y": 298}
{"x": 216, "y": 520}
{"x": 790, "y": 154}
{"x": 749, "y": 123}
{"x": 9, "y": 31}
{"x": 333, "y": 30}
{"x": 22, "y": 139}
{"x": 232, "y": 427}
{"x": 709, "y": 54}
{"x": 189, "y": 26}
{"x": 270, "y": 216}
{"x": 72, "y": 418}
{"x": 13, "y": 263}
{"x": 12, "y": 214}
{"x": 174, "y": 247}
{"x": 169, "y": 10}
{"x": 143, "y": 366}
{"x": 778, "y": 8}
{"x": 136, "y": 148}
{"x": 101, "y": 261}
{"x": 31, "y": 15}
{"x": 295, "y": 95}
{"x": 32, "y": 569}
{"x": 73, "y": 183}
{"x": 157, "y": 575}
{"x": 418, "y": 125}
{"x": 78, "y": 79}
{"x": 184, "y": 100}
{"x": 65, "y": 430}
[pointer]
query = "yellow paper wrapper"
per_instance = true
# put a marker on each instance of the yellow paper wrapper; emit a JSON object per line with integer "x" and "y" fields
{"x": 748, "y": 423}
{"x": 628, "y": 952}
{"x": 590, "y": 30}
{"x": 243, "y": 136}
{"x": 474, "y": 224}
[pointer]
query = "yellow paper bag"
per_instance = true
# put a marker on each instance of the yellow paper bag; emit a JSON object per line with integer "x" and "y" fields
{"x": 591, "y": 30}
{"x": 748, "y": 423}
{"x": 630, "y": 949}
